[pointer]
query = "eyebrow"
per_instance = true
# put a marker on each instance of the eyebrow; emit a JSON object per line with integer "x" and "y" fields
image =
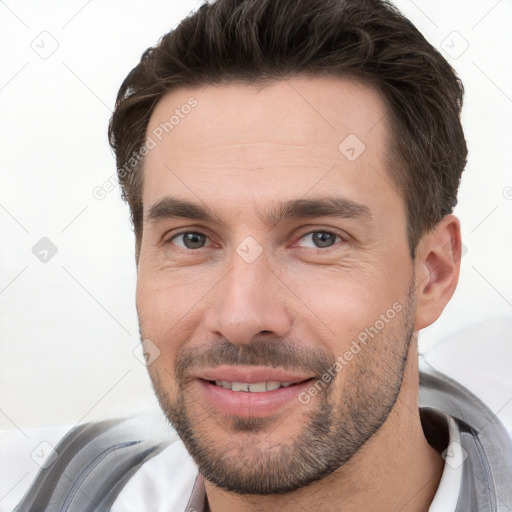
{"x": 174, "y": 208}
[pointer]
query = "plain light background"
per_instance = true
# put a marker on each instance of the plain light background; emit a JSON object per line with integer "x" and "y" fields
{"x": 69, "y": 334}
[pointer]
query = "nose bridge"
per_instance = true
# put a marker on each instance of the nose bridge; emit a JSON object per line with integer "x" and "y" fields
{"x": 249, "y": 299}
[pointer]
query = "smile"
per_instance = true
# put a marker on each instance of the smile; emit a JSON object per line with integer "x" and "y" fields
{"x": 256, "y": 387}
{"x": 248, "y": 392}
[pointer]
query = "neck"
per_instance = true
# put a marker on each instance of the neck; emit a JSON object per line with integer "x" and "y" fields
{"x": 395, "y": 470}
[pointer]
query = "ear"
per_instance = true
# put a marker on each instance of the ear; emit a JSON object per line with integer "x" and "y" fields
{"x": 437, "y": 266}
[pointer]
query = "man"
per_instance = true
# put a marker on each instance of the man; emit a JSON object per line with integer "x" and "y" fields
{"x": 291, "y": 168}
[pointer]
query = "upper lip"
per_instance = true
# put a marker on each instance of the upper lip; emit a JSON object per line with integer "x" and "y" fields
{"x": 251, "y": 374}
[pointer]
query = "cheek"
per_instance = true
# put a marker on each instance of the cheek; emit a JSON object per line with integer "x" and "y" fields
{"x": 342, "y": 302}
{"x": 164, "y": 301}
{"x": 348, "y": 294}
{"x": 168, "y": 307}
{"x": 158, "y": 316}
{"x": 156, "y": 327}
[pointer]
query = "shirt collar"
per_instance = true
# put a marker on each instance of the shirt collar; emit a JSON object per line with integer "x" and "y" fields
{"x": 198, "y": 496}
{"x": 447, "y": 493}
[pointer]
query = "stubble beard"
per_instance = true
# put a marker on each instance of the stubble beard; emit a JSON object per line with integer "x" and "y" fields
{"x": 242, "y": 457}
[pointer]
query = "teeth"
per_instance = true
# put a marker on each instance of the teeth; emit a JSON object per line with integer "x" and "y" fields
{"x": 272, "y": 384}
{"x": 240, "y": 386}
{"x": 257, "y": 387}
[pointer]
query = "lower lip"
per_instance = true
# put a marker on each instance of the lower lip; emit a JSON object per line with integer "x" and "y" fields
{"x": 245, "y": 404}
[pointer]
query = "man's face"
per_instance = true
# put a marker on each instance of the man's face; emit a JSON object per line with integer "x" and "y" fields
{"x": 302, "y": 261}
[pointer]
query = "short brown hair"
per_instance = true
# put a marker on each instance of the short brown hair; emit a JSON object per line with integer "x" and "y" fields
{"x": 261, "y": 40}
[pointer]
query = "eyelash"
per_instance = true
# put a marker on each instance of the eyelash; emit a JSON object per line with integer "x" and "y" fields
{"x": 314, "y": 249}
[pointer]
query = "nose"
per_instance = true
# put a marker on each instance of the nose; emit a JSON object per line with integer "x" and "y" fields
{"x": 250, "y": 300}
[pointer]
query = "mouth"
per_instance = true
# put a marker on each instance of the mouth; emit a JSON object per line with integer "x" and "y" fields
{"x": 251, "y": 392}
{"x": 256, "y": 387}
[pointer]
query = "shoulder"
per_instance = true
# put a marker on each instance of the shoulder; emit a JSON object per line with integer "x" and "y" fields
{"x": 483, "y": 441}
{"x": 94, "y": 461}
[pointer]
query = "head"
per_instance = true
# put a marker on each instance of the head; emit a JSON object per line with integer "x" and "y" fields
{"x": 249, "y": 130}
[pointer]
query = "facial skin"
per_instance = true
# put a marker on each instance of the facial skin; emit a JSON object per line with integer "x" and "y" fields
{"x": 286, "y": 303}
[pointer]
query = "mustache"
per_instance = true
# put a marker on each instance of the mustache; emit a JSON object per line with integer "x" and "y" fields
{"x": 270, "y": 353}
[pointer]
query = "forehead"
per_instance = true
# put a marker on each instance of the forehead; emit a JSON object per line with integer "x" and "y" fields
{"x": 284, "y": 137}
{"x": 322, "y": 105}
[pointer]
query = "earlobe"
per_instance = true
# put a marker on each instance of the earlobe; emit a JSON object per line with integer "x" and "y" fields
{"x": 437, "y": 266}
